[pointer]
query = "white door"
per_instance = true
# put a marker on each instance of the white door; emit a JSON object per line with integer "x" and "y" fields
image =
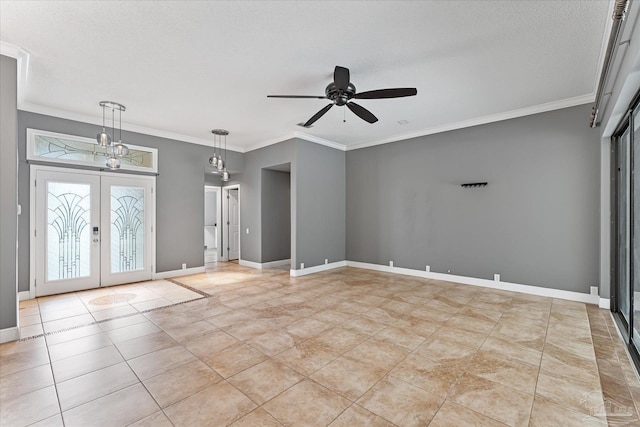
{"x": 127, "y": 224}
{"x": 91, "y": 230}
{"x": 67, "y": 232}
{"x": 234, "y": 224}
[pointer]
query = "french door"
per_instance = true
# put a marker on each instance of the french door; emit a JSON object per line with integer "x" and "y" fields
{"x": 91, "y": 229}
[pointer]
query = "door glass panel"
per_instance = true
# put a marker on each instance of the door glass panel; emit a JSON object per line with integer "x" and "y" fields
{"x": 127, "y": 229}
{"x": 636, "y": 229}
{"x": 623, "y": 225}
{"x": 68, "y": 230}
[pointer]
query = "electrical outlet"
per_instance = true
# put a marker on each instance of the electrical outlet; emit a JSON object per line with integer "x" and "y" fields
{"x": 301, "y": 265}
{"x": 496, "y": 277}
{"x": 326, "y": 261}
{"x": 390, "y": 263}
{"x": 594, "y": 290}
{"x": 428, "y": 268}
{"x": 448, "y": 271}
{"x": 184, "y": 266}
{"x": 247, "y": 231}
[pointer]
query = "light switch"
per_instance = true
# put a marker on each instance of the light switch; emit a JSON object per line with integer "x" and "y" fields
{"x": 247, "y": 231}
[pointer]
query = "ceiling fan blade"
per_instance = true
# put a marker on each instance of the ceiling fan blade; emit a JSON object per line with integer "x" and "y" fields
{"x": 362, "y": 112}
{"x": 317, "y": 115}
{"x": 341, "y": 77}
{"x": 387, "y": 93}
{"x": 297, "y": 96}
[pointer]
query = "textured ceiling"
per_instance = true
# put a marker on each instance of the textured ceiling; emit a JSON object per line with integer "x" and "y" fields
{"x": 186, "y": 67}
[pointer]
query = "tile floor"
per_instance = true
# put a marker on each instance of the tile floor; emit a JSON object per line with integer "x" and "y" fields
{"x": 347, "y": 347}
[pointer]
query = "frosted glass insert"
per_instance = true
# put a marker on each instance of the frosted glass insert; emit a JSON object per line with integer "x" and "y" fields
{"x": 127, "y": 229}
{"x": 68, "y": 230}
{"x": 86, "y": 152}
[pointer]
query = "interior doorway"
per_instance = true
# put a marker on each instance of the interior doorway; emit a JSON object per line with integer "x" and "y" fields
{"x": 231, "y": 223}
{"x": 212, "y": 222}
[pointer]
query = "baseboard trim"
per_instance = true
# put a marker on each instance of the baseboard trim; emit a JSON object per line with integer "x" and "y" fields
{"x": 474, "y": 281}
{"x": 604, "y": 303}
{"x": 9, "y": 334}
{"x": 262, "y": 266}
{"x": 177, "y": 273}
{"x": 317, "y": 268}
{"x": 24, "y": 295}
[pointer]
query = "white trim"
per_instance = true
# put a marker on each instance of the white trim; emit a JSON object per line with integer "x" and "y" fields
{"x": 270, "y": 264}
{"x": 298, "y": 135}
{"x": 24, "y": 295}
{"x": 604, "y": 303}
{"x": 225, "y": 229}
{"x": 177, "y": 273}
{"x": 536, "y": 109}
{"x": 474, "y": 281}
{"x": 9, "y": 334}
{"x": 317, "y": 268}
{"x": 250, "y": 264}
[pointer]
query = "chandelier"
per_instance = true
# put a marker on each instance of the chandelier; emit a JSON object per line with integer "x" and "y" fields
{"x": 105, "y": 140}
{"x": 218, "y": 161}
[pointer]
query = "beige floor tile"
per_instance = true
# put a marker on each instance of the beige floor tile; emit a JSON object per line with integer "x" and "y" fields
{"x": 111, "y": 313}
{"x": 234, "y": 359}
{"x": 265, "y": 380}
{"x": 121, "y": 408}
{"x": 401, "y": 403}
{"x": 84, "y": 363}
{"x": 29, "y": 320}
{"x": 67, "y": 322}
{"x": 181, "y": 382}
{"x": 132, "y": 331}
{"x": 339, "y": 339}
{"x": 29, "y": 408}
{"x": 24, "y": 382}
{"x": 158, "y": 419}
{"x": 78, "y": 346}
{"x": 546, "y": 413}
{"x": 347, "y": 377}
{"x": 183, "y": 333}
{"x": 356, "y": 415}
{"x": 307, "y": 328}
{"x": 13, "y": 347}
{"x": 31, "y": 331}
{"x": 54, "y": 421}
{"x": 431, "y": 314}
{"x": 135, "y": 347}
{"x": 205, "y": 346}
{"x": 220, "y": 404}
{"x": 511, "y": 351}
{"x": 151, "y": 304}
{"x": 307, "y": 357}
{"x": 441, "y": 349}
{"x": 62, "y": 312}
{"x": 567, "y": 392}
{"x": 160, "y": 361}
{"x": 94, "y": 385}
{"x": 451, "y": 414}
{"x": 257, "y": 417}
{"x": 519, "y": 376}
{"x": 122, "y": 322}
{"x": 320, "y": 405}
{"x": 438, "y": 378}
{"x": 274, "y": 342}
{"x": 20, "y": 361}
{"x": 73, "y": 334}
{"x": 493, "y": 400}
{"x": 402, "y": 337}
{"x": 377, "y": 354}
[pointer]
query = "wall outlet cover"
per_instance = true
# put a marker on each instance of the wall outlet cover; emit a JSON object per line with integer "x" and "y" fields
{"x": 184, "y": 266}
{"x": 301, "y": 265}
{"x": 594, "y": 290}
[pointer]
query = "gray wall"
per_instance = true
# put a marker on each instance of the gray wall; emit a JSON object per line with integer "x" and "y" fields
{"x": 250, "y": 194}
{"x": 276, "y": 215}
{"x": 8, "y": 191}
{"x": 535, "y": 223}
{"x": 179, "y": 195}
{"x": 320, "y": 209}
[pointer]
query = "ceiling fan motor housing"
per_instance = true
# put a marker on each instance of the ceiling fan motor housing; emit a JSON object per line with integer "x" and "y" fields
{"x": 340, "y": 97}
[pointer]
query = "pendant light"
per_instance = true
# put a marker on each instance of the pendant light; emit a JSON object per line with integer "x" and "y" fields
{"x": 105, "y": 140}
{"x": 219, "y": 161}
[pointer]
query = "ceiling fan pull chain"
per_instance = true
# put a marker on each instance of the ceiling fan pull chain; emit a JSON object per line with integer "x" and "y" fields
{"x": 344, "y": 116}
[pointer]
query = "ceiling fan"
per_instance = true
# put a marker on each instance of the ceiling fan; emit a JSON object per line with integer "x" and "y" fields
{"x": 341, "y": 91}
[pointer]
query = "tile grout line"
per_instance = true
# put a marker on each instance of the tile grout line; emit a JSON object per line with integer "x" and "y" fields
{"x": 97, "y": 322}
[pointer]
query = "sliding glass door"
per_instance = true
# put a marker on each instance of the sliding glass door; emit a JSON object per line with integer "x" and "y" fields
{"x": 625, "y": 211}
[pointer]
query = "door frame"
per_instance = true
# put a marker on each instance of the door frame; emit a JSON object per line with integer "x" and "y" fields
{"x": 33, "y": 170}
{"x": 218, "y": 190}
{"x": 225, "y": 218}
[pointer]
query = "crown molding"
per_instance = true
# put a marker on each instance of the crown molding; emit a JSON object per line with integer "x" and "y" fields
{"x": 321, "y": 141}
{"x": 85, "y": 118}
{"x": 513, "y": 114}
